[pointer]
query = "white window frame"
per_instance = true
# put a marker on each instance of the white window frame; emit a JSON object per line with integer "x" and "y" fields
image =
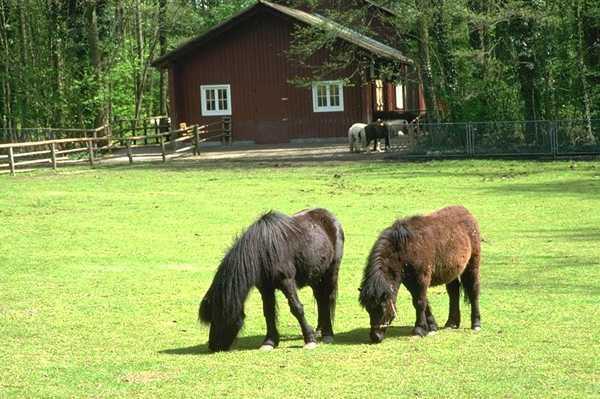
{"x": 400, "y": 95}
{"x": 328, "y": 107}
{"x": 218, "y": 111}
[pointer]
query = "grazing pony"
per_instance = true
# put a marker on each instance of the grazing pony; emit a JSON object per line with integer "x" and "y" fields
{"x": 423, "y": 251}
{"x": 375, "y": 131}
{"x": 356, "y": 135}
{"x": 277, "y": 252}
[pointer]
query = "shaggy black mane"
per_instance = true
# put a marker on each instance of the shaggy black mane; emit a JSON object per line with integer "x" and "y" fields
{"x": 375, "y": 287}
{"x": 250, "y": 259}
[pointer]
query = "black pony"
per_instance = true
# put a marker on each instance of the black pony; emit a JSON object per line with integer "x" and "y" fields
{"x": 277, "y": 252}
{"x": 375, "y": 131}
{"x": 419, "y": 252}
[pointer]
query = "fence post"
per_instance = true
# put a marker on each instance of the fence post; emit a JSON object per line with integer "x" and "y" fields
{"x": 227, "y": 130}
{"x": 11, "y": 160}
{"x": 554, "y": 131}
{"x": 53, "y": 155}
{"x": 90, "y": 145}
{"x": 471, "y": 135}
{"x": 108, "y": 135}
{"x": 196, "y": 140}
{"x": 467, "y": 140}
{"x": 156, "y": 130}
{"x": 162, "y": 148}
{"x": 129, "y": 155}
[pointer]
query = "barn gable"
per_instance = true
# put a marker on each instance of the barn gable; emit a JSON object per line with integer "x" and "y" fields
{"x": 240, "y": 69}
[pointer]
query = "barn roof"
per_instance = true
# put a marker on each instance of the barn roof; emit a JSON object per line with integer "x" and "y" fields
{"x": 342, "y": 32}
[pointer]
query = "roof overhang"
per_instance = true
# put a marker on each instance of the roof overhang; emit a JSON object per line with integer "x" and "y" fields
{"x": 344, "y": 33}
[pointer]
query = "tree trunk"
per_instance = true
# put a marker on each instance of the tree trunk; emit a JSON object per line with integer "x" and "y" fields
{"x": 7, "y": 98}
{"x": 95, "y": 58}
{"x": 162, "y": 39}
{"x": 55, "y": 40}
{"x": 23, "y": 85}
{"x": 583, "y": 73}
{"x": 447, "y": 65}
{"x": 139, "y": 36}
{"x": 425, "y": 65}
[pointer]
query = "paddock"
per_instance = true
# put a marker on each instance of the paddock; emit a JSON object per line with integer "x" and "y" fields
{"x": 103, "y": 270}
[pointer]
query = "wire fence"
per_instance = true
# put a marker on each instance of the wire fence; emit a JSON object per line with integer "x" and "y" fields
{"x": 520, "y": 138}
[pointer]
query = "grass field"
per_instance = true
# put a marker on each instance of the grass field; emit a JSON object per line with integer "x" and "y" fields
{"x": 101, "y": 273}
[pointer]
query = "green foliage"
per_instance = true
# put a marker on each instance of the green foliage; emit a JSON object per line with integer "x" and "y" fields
{"x": 490, "y": 60}
{"x": 48, "y": 77}
{"x": 102, "y": 272}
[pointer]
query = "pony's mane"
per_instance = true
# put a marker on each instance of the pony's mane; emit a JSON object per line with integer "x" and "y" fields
{"x": 375, "y": 286}
{"x": 255, "y": 253}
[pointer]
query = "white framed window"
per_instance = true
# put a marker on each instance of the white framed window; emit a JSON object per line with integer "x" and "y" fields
{"x": 216, "y": 100}
{"x": 328, "y": 96}
{"x": 400, "y": 96}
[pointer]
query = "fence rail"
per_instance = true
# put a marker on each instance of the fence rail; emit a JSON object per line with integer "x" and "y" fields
{"x": 92, "y": 144}
{"x": 498, "y": 139}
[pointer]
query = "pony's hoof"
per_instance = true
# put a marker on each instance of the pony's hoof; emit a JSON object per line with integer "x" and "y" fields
{"x": 420, "y": 332}
{"x": 476, "y": 328}
{"x": 452, "y": 326}
{"x": 432, "y": 332}
{"x": 328, "y": 339}
{"x": 310, "y": 345}
{"x": 266, "y": 348}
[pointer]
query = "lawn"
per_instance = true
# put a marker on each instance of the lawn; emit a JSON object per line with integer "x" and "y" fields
{"x": 101, "y": 273}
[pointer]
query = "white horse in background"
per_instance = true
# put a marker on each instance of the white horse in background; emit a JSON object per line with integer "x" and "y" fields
{"x": 356, "y": 137}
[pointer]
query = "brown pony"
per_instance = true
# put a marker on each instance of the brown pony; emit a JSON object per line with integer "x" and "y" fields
{"x": 423, "y": 251}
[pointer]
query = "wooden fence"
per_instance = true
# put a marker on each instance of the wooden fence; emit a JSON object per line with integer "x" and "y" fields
{"x": 101, "y": 142}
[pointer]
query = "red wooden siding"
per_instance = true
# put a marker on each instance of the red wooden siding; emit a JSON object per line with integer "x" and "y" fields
{"x": 265, "y": 107}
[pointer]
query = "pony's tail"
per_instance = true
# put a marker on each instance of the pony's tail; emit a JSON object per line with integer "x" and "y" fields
{"x": 339, "y": 250}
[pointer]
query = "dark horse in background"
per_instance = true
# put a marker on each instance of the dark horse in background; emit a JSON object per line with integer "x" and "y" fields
{"x": 375, "y": 131}
{"x": 419, "y": 252}
{"x": 277, "y": 252}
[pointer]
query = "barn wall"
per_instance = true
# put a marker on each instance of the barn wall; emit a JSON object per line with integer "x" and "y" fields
{"x": 265, "y": 108}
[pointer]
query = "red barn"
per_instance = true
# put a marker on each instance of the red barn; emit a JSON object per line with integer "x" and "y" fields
{"x": 240, "y": 69}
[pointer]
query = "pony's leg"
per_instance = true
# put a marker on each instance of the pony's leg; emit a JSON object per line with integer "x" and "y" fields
{"x": 431, "y": 323}
{"x": 418, "y": 291}
{"x": 290, "y": 291}
{"x": 470, "y": 283}
{"x": 453, "y": 289}
{"x": 325, "y": 295}
{"x": 270, "y": 313}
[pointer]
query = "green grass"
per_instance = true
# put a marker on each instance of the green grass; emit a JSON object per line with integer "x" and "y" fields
{"x": 101, "y": 273}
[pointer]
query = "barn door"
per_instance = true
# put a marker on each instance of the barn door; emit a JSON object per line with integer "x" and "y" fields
{"x": 273, "y": 126}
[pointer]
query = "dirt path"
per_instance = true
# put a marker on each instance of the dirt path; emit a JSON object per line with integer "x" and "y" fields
{"x": 295, "y": 153}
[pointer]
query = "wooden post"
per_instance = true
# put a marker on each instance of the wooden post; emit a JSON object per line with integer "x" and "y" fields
{"x": 90, "y": 146}
{"x": 129, "y": 155}
{"x": 156, "y": 131}
{"x": 226, "y": 131}
{"x": 53, "y": 155}
{"x": 196, "y": 140}
{"x": 11, "y": 160}
{"x": 108, "y": 134}
{"x": 162, "y": 148}
{"x": 145, "y": 133}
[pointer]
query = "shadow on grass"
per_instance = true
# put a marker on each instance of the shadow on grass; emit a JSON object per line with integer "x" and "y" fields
{"x": 578, "y": 186}
{"x": 358, "y": 336}
{"x": 571, "y": 234}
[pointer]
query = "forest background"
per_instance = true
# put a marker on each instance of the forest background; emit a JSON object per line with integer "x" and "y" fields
{"x": 83, "y": 63}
